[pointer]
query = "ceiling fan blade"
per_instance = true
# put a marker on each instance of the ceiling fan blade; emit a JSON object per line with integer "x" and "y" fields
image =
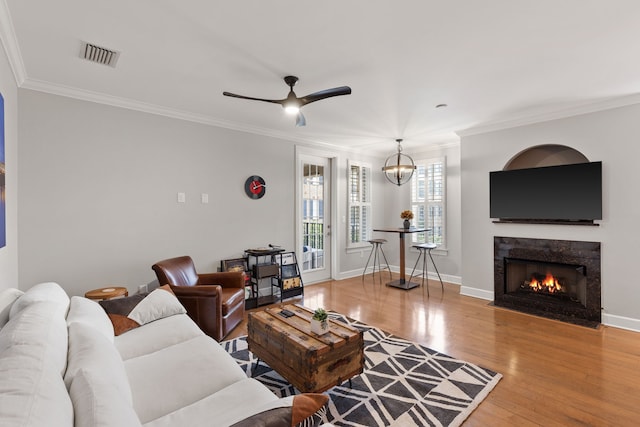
{"x": 323, "y": 94}
{"x": 273, "y": 101}
{"x": 300, "y": 120}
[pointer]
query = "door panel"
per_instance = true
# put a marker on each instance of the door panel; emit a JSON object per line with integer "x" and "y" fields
{"x": 314, "y": 221}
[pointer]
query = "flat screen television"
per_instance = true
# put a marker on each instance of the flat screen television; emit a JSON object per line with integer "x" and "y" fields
{"x": 554, "y": 193}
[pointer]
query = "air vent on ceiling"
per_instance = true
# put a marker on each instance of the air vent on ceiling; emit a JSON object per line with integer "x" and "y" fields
{"x": 98, "y": 54}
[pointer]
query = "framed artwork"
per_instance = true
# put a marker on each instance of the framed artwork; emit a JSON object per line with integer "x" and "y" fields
{"x": 234, "y": 264}
{"x": 289, "y": 270}
{"x": 3, "y": 198}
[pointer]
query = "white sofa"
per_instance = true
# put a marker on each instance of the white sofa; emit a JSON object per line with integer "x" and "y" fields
{"x": 61, "y": 365}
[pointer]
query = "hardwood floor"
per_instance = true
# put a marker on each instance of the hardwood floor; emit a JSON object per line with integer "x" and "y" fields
{"x": 554, "y": 374}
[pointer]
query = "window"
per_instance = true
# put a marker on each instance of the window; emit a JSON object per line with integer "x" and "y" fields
{"x": 428, "y": 201}
{"x": 359, "y": 182}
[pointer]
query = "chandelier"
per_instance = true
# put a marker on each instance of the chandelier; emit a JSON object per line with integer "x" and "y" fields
{"x": 398, "y": 168}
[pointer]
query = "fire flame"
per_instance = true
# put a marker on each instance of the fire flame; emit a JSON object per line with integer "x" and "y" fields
{"x": 549, "y": 284}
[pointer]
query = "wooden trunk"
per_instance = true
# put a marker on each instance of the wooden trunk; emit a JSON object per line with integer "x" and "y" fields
{"x": 312, "y": 363}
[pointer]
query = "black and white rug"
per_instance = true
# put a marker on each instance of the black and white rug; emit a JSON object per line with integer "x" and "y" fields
{"x": 403, "y": 383}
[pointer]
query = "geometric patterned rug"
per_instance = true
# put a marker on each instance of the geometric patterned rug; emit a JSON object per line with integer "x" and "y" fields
{"x": 403, "y": 383}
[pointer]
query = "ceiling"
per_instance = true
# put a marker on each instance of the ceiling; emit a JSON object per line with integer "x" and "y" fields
{"x": 495, "y": 63}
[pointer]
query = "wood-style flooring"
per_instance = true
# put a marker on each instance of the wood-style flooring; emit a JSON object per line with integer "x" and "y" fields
{"x": 554, "y": 373}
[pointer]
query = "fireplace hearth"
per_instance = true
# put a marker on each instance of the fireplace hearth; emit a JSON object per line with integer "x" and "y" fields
{"x": 557, "y": 279}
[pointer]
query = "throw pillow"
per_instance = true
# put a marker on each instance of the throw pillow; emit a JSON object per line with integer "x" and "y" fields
{"x": 137, "y": 310}
{"x": 307, "y": 410}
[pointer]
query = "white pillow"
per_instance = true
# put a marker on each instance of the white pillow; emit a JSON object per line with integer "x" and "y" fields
{"x": 97, "y": 402}
{"x": 90, "y": 350}
{"x": 90, "y": 312}
{"x": 49, "y": 291}
{"x": 157, "y": 305}
{"x": 7, "y": 298}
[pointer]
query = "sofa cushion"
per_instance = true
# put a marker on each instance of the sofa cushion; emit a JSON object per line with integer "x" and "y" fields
{"x": 131, "y": 312}
{"x": 7, "y": 298}
{"x": 33, "y": 356}
{"x": 49, "y": 291}
{"x": 90, "y": 312}
{"x": 179, "y": 375}
{"x": 156, "y": 336}
{"x": 39, "y": 333}
{"x": 97, "y": 401}
{"x": 91, "y": 351}
{"x": 32, "y": 392}
{"x": 227, "y": 406}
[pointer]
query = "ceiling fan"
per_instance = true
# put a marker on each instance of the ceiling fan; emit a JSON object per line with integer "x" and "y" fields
{"x": 292, "y": 103}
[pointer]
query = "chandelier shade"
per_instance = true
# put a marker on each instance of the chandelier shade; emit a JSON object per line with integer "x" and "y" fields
{"x": 399, "y": 168}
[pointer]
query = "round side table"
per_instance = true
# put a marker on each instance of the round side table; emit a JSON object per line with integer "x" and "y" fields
{"x": 107, "y": 293}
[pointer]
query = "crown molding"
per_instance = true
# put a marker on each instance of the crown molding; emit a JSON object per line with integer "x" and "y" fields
{"x": 10, "y": 44}
{"x": 114, "y": 101}
{"x": 577, "y": 110}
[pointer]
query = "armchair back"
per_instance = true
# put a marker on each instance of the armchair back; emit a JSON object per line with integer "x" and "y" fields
{"x": 178, "y": 271}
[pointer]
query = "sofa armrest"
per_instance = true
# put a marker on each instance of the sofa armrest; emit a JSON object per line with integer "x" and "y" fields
{"x": 226, "y": 279}
{"x": 204, "y": 306}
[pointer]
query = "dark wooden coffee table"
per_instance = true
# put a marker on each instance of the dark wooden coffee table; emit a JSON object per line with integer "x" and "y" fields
{"x": 312, "y": 363}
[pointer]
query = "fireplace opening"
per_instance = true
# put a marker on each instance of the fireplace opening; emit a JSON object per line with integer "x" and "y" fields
{"x": 546, "y": 283}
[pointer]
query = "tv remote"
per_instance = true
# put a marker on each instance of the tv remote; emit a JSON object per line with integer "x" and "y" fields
{"x": 286, "y": 313}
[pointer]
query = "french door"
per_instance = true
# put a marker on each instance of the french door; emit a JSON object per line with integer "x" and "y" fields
{"x": 313, "y": 217}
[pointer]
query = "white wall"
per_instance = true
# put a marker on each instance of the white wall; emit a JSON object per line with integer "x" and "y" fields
{"x": 98, "y": 193}
{"x": 9, "y": 253}
{"x": 609, "y": 136}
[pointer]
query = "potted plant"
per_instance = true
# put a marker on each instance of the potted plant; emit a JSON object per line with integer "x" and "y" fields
{"x": 319, "y": 322}
{"x": 407, "y": 216}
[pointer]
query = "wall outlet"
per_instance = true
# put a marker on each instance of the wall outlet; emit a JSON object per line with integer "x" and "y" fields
{"x": 142, "y": 289}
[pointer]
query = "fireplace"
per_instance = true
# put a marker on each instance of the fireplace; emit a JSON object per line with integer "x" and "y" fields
{"x": 558, "y": 279}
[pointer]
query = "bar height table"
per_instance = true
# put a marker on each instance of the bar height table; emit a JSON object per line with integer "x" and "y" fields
{"x": 402, "y": 283}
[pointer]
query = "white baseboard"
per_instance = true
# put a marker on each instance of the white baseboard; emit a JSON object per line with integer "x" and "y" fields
{"x": 621, "y": 322}
{"x": 476, "y": 293}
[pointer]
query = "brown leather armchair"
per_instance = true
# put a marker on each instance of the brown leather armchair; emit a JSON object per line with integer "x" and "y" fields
{"x": 215, "y": 301}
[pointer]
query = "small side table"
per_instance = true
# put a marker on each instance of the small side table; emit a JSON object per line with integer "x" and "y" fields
{"x": 107, "y": 293}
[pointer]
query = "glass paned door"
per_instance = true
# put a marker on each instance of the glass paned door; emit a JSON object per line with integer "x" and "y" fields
{"x": 314, "y": 218}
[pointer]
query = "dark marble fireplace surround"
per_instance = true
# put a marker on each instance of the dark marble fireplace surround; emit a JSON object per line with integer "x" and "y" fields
{"x": 550, "y": 251}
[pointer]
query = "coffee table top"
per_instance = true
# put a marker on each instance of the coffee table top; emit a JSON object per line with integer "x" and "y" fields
{"x": 298, "y": 328}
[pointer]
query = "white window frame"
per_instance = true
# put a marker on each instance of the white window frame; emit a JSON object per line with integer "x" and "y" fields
{"x": 438, "y": 233}
{"x": 356, "y": 200}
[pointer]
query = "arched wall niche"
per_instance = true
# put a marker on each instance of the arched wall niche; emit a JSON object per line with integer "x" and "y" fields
{"x": 545, "y": 155}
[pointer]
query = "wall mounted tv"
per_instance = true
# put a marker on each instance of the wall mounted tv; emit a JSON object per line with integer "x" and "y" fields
{"x": 554, "y": 193}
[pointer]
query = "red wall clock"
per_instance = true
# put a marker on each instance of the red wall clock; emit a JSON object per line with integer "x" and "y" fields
{"x": 255, "y": 187}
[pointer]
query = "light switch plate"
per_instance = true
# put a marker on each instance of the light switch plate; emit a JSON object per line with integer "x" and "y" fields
{"x": 182, "y": 198}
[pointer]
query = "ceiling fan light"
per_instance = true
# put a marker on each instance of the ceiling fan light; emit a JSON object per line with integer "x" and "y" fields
{"x": 291, "y": 109}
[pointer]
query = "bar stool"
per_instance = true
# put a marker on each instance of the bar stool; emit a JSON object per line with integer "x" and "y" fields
{"x": 376, "y": 245}
{"x": 426, "y": 248}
